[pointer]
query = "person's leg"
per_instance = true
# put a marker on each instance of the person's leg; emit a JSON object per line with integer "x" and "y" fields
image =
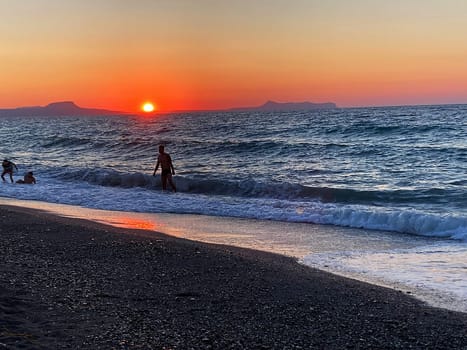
{"x": 169, "y": 178}
{"x": 164, "y": 181}
{"x": 11, "y": 176}
{"x": 3, "y": 175}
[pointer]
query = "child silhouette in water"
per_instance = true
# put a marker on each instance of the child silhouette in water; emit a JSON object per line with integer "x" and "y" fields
{"x": 28, "y": 179}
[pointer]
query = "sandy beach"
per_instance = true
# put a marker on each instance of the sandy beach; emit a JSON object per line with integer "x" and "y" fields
{"x": 75, "y": 284}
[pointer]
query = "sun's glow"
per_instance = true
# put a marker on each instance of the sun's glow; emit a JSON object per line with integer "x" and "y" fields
{"x": 148, "y": 107}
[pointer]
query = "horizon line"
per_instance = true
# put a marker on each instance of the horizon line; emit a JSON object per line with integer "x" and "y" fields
{"x": 236, "y": 109}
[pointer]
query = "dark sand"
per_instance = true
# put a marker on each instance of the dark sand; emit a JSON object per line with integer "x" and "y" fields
{"x": 74, "y": 284}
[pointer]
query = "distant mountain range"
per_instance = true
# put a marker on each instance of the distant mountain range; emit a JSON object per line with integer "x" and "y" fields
{"x": 272, "y": 106}
{"x": 67, "y": 108}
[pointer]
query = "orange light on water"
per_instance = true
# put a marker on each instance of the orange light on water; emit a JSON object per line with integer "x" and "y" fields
{"x": 133, "y": 223}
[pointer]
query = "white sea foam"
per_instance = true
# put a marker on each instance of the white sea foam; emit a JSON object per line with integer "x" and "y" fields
{"x": 432, "y": 269}
{"x": 437, "y": 273}
{"x": 141, "y": 199}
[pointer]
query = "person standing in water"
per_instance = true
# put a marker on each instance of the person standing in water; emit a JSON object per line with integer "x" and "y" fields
{"x": 8, "y": 169}
{"x": 167, "y": 169}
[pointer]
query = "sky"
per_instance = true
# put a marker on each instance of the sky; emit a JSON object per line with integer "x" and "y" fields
{"x": 213, "y": 54}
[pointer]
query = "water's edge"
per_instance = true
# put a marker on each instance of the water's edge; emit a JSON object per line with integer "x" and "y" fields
{"x": 300, "y": 241}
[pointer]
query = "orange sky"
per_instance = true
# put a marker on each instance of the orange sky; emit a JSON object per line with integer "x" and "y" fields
{"x": 208, "y": 54}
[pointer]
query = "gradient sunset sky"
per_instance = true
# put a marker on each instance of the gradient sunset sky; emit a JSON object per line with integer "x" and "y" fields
{"x": 209, "y": 54}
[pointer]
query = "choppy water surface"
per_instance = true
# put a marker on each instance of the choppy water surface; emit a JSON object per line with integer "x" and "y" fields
{"x": 397, "y": 169}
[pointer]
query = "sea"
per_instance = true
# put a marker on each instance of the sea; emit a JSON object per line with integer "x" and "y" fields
{"x": 376, "y": 194}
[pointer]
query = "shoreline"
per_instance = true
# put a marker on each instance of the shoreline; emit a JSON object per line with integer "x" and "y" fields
{"x": 73, "y": 283}
{"x": 304, "y": 242}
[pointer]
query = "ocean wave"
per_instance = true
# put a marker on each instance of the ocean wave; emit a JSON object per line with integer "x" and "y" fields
{"x": 406, "y": 221}
{"x": 61, "y": 141}
{"x": 110, "y": 178}
{"x": 373, "y": 210}
{"x": 401, "y": 220}
{"x": 251, "y": 188}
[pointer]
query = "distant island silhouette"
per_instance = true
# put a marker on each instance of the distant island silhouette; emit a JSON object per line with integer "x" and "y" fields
{"x": 69, "y": 108}
{"x": 272, "y": 106}
{"x": 65, "y": 108}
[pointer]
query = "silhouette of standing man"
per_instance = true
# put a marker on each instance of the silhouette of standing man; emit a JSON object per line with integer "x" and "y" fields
{"x": 167, "y": 169}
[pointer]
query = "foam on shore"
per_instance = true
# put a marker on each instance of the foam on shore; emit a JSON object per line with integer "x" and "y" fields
{"x": 70, "y": 283}
{"x": 355, "y": 253}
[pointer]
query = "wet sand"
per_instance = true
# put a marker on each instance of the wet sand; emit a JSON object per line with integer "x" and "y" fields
{"x": 75, "y": 284}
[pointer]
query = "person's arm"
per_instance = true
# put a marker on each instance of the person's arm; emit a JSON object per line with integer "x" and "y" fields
{"x": 15, "y": 166}
{"x": 172, "y": 166}
{"x": 157, "y": 167}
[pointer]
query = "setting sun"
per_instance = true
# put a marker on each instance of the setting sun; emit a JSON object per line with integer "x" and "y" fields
{"x": 148, "y": 107}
